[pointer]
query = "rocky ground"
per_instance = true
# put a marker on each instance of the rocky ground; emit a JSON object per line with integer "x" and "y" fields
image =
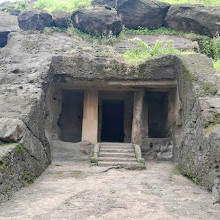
{"x": 70, "y": 190}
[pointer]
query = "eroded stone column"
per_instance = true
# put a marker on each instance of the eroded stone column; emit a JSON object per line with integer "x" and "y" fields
{"x": 128, "y": 113}
{"x": 139, "y": 124}
{"x": 90, "y": 116}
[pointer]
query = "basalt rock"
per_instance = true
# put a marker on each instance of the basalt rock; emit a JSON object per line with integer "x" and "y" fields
{"x": 61, "y": 19}
{"x": 8, "y": 23}
{"x": 99, "y": 22}
{"x": 34, "y": 20}
{"x": 105, "y": 3}
{"x": 142, "y": 13}
{"x": 204, "y": 20}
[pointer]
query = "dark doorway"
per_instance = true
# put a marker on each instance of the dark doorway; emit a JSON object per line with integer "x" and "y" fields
{"x": 70, "y": 121}
{"x": 157, "y": 114}
{"x": 4, "y": 38}
{"x": 112, "y": 121}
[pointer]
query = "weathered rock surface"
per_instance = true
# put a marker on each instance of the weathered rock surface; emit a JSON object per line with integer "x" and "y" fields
{"x": 34, "y": 20}
{"x": 100, "y": 22}
{"x": 11, "y": 130}
{"x": 80, "y": 66}
{"x": 8, "y": 23}
{"x": 61, "y": 19}
{"x": 24, "y": 65}
{"x": 197, "y": 146}
{"x": 179, "y": 42}
{"x": 204, "y": 20}
{"x": 17, "y": 169}
{"x": 10, "y": 9}
{"x": 105, "y": 3}
{"x": 142, "y": 13}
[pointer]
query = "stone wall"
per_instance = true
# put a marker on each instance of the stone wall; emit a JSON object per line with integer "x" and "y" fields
{"x": 17, "y": 169}
{"x": 197, "y": 150}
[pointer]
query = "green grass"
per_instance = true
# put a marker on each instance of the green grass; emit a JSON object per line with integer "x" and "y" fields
{"x": 216, "y": 64}
{"x": 78, "y": 34}
{"x": 161, "y": 30}
{"x": 167, "y": 31}
{"x": 187, "y": 173}
{"x": 140, "y": 51}
{"x": 203, "y": 2}
{"x": 66, "y": 5}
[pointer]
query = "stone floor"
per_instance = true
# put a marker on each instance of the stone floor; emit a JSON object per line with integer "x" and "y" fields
{"x": 77, "y": 191}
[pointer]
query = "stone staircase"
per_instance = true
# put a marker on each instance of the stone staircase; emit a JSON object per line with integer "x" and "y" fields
{"x": 118, "y": 154}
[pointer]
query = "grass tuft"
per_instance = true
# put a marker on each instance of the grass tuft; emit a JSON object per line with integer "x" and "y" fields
{"x": 216, "y": 64}
{"x": 66, "y": 5}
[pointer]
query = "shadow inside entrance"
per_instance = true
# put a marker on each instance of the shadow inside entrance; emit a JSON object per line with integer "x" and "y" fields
{"x": 112, "y": 121}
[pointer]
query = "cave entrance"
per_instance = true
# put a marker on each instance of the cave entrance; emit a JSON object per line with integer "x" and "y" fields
{"x": 70, "y": 121}
{"x": 115, "y": 114}
{"x": 112, "y": 121}
{"x": 157, "y": 114}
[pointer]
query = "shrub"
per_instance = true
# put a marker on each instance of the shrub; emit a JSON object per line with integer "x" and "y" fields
{"x": 216, "y": 48}
{"x": 140, "y": 51}
{"x": 216, "y": 64}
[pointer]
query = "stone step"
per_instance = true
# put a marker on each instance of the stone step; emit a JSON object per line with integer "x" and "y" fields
{"x": 111, "y": 163}
{"x": 117, "y": 159}
{"x": 115, "y": 144}
{"x": 117, "y": 150}
{"x": 117, "y": 147}
{"x": 118, "y": 155}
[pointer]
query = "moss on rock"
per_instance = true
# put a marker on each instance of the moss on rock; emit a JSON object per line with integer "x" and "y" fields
{"x": 4, "y": 162}
{"x": 187, "y": 172}
{"x": 208, "y": 89}
{"x": 19, "y": 149}
{"x": 27, "y": 178}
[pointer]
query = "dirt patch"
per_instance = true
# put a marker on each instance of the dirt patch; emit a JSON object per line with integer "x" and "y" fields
{"x": 88, "y": 192}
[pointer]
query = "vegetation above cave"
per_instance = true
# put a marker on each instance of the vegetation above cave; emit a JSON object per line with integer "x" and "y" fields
{"x": 72, "y": 5}
{"x": 141, "y": 51}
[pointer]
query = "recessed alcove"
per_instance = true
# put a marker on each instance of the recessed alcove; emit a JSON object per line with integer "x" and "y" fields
{"x": 3, "y": 38}
{"x": 70, "y": 121}
{"x": 157, "y": 114}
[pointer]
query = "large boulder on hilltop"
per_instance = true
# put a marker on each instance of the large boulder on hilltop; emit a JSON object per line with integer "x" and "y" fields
{"x": 34, "y": 20}
{"x": 142, "y": 13}
{"x": 204, "y": 20}
{"x": 61, "y": 19}
{"x": 105, "y": 3}
{"x": 99, "y": 22}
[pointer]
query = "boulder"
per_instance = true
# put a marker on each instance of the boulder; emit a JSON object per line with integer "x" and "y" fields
{"x": 142, "y": 13}
{"x": 99, "y": 22}
{"x": 34, "y": 20}
{"x": 105, "y": 3}
{"x": 61, "y": 19}
{"x": 204, "y": 20}
{"x": 11, "y": 130}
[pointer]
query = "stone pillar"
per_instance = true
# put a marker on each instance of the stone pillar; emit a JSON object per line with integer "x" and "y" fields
{"x": 90, "y": 116}
{"x": 139, "y": 124}
{"x": 128, "y": 113}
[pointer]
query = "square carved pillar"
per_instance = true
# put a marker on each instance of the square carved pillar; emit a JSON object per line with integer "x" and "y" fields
{"x": 90, "y": 116}
{"x": 140, "y": 119}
